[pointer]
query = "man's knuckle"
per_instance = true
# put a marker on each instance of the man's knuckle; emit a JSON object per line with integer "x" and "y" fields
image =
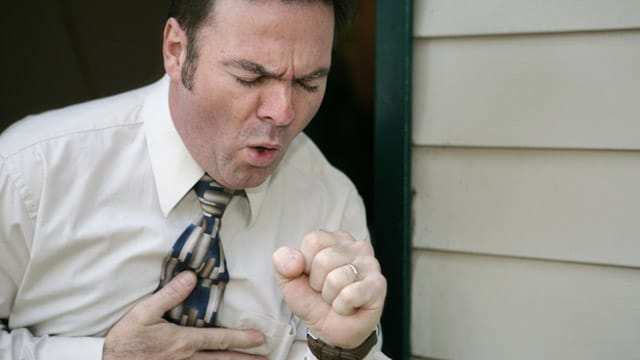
{"x": 349, "y": 295}
{"x": 322, "y": 258}
{"x": 378, "y": 283}
{"x": 362, "y": 247}
{"x": 312, "y": 240}
{"x": 332, "y": 281}
{"x": 224, "y": 342}
{"x": 180, "y": 344}
{"x": 371, "y": 264}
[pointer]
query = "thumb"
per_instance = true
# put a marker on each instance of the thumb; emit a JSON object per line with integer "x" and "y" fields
{"x": 288, "y": 263}
{"x": 170, "y": 295}
{"x": 304, "y": 302}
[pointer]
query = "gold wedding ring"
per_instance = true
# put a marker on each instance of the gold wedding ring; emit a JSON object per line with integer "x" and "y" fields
{"x": 355, "y": 271}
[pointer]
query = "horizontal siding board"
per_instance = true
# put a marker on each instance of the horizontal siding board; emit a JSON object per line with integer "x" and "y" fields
{"x": 481, "y": 307}
{"x": 552, "y": 91}
{"x": 581, "y": 206}
{"x": 460, "y": 17}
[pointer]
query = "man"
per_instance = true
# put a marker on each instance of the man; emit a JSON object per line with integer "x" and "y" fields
{"x": 93, "y": 197}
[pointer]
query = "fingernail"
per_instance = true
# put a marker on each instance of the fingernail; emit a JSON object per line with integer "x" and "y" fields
{"x": 260, "y": 339}
{"x": 186, "y": 278}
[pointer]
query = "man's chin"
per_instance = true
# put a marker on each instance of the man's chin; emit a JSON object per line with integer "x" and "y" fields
{"x": 253, "y": 179}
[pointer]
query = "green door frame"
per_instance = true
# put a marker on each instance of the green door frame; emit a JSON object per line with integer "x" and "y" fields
{"x": 391, "y": 229}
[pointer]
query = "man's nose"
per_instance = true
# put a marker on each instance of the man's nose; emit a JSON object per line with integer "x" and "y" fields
{"x": 276, "y": 104}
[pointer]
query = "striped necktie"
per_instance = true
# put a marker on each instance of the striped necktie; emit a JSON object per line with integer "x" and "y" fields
{"x": 199, "y": 249}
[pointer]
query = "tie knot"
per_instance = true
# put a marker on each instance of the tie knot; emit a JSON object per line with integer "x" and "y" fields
{"x": 213, "y": 196}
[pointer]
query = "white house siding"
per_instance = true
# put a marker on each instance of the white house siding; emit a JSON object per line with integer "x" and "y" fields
{"x": 526, "y": 171}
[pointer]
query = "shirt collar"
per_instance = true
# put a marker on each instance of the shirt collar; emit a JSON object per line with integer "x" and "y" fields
{"x": 174, "y": 169}
{"x": 256, "y": 196}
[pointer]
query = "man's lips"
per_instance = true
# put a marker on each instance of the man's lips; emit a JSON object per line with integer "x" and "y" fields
{"x": 262, "y": 155}
{"x": 266, "y": 146}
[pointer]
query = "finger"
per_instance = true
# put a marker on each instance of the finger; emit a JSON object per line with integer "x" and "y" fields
{"x": 203, "y": 339}
{"x": 358, "y": 269}
{"x": 335, "y": 281}
{"x": 356, "y": 256}
{"x": 326, "y": 261}
{"x": 288, "y": 264}
{"x": 303, "y": 301}
{"x": 367, "y": 294}
{"x": 169, "y": 296}
{"x": 316, "y": 241}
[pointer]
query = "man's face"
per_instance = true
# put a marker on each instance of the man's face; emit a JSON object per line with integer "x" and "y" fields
{"x": 261, "y": 74}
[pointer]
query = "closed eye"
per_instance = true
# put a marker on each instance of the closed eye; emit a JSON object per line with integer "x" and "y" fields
{"x": 249, "y": 82}
{"x": 306, "y": 82}
{"x": 307, "y": 87}
{"x": 257, "y": 81}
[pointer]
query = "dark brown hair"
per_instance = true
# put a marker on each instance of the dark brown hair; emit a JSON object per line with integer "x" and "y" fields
{"x": 192, "y": 14}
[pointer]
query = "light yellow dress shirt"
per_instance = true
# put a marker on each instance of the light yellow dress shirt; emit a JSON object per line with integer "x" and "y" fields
{"x": 92, "y": 198}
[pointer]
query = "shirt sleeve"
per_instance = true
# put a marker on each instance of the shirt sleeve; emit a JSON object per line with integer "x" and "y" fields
{"x": 15, "y": 228}
{"x": 16, "y": 232}
{"x": 21, "y": 344}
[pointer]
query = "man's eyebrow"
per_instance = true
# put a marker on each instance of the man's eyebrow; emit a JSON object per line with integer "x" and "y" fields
{"x": 252, "y": 67}
{"x": 260, "y": 70}
{"x": 320, "y": 73}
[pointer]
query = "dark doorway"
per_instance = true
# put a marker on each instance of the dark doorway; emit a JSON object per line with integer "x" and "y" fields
{"x": 56, "y": 53}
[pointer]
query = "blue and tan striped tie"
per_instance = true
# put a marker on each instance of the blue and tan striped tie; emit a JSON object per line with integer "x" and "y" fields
{"x": 199, "y": 249}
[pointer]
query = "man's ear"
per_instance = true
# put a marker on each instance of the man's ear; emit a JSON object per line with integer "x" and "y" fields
{"x": 174, "y": 49}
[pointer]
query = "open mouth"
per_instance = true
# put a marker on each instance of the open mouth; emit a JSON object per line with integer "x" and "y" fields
{"x": 262, "y": 155}
{"x": 264, "y": 148}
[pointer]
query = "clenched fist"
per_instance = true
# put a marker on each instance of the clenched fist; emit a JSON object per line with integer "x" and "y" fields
{"x": 333, "y": 283}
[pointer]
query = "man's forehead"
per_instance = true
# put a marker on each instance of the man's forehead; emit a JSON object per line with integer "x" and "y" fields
{"x": 265, "y": 40}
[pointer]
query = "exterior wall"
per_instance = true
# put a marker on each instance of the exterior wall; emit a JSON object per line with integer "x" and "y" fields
{"x": 526, "y": 165}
